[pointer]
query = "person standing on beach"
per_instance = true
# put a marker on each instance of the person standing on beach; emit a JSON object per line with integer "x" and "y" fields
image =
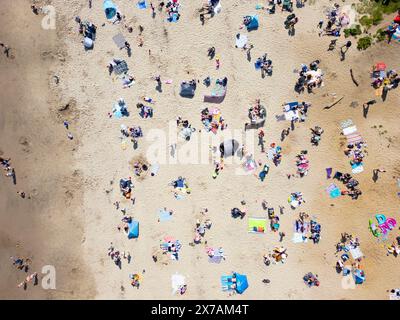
{"x": 343, "y": 50}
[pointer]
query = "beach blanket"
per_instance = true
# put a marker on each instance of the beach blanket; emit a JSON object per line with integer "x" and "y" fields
{"x": 119, "y": 40}
{"x": 346, "y": 123}
{"x": 357, "y": 168}
{"x": 349, "y": 130}
{"x": 241, "y": 41}
{"x": 299, "y": 238}
{"x": 354, "y": 138}
{"x": 164, "y": 215}
{"x": 177, "y": 281}
{"x": 356, "y": 253}
{"x": 257, "y": 225}
{"x": 333, "y": 191}
{"x": 121, "y": 67}
{"x": 217, "y": 94}
{"x": 292, "y": 115}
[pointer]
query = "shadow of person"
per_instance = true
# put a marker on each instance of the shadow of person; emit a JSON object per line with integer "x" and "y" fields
{"x": 365, "y": 110}
{"x": 375, "y": 175}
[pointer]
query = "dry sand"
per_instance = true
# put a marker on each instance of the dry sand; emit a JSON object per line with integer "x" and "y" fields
{"x": 71, "y": 216}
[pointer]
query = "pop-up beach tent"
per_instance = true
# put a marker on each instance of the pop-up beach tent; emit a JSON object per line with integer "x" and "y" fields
{"x": 133, "y": 229}
{"x": 110, "y": 9}
{"x": 253, "y": 25}
{"x": 187, "y": 90}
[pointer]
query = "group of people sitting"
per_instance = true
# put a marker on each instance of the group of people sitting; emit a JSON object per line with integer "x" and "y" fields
{"x": 355, "y": 152}
{"x": 309, "y": 229}
{"x": 208, "y": 9}
{"x": 88, "y": 30}
{"x": 300, "y": 108}
{"x": 200, "y": 230}
{"x": 302, "y": 164}
{"x": 310, "y": 77}
{"x": 145, "y": 111}
{"x": 6, "y": 164}
{"x": 311, "y": 280}
{"x": 256, "y": 113}
{"x": 389, "y": 79}
{"x": 335, "y": 22}
{"x": 279, "y": 254}
{"x": 172, "y": 8}
{"x": 276, "y": 152}
{"x": 316, "y": 134}
{"x": 265, "y": 65}
{"x": 274, "y": 219}
{"x": 350, "y": 183}
{"x": 212, "y": 120}
{"x": 126, "y": 186}
{"x": 185, "y": 127}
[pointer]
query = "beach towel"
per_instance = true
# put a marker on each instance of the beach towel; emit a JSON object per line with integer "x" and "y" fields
{"x": 333, "y": 191}
{"x": 241, "y": 41}
{"x": 119, "y": 40}
{"x": 257, "y": 225}
{"x": 177, "y": 281}
{"x": 349, "y": 130}
{"x": 346, "y": 123}
{"x": 299, "y": 238}
{"x": 226, "y": 282}
{"x": 154, "y": 169}
{"x": 354, "y": 138}
{"x": 291, "y": 115}
{"x": 328, "y": 173}
{"x": 164, "y": 215}
{"x": 357, "y": 168}
{"x": 356, "y": 253}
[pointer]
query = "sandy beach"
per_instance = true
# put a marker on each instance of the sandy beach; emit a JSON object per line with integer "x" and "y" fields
{"x": 70, "y": 220}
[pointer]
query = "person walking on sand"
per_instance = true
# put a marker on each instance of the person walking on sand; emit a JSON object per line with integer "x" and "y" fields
{"x": 285, "y": 133}
{"x": 261, "y": 140}
{"x": 375, "y": 173}
{"x": 7, "y": 49}
{"x": 343, "y": 50}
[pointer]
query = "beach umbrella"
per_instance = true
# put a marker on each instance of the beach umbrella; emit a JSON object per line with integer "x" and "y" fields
{"x": 380, "y": 66}
{"x": 241, "y": 283}
{"x": 88, "y": 43}
{"x": 228, "y": 148}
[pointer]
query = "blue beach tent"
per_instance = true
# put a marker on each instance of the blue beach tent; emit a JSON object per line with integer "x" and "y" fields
{"x": 253, "y": 25}
{"x": 241, "y": 283}
{"x": 133, "y": 229}
{"x": 109, "y": 9}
